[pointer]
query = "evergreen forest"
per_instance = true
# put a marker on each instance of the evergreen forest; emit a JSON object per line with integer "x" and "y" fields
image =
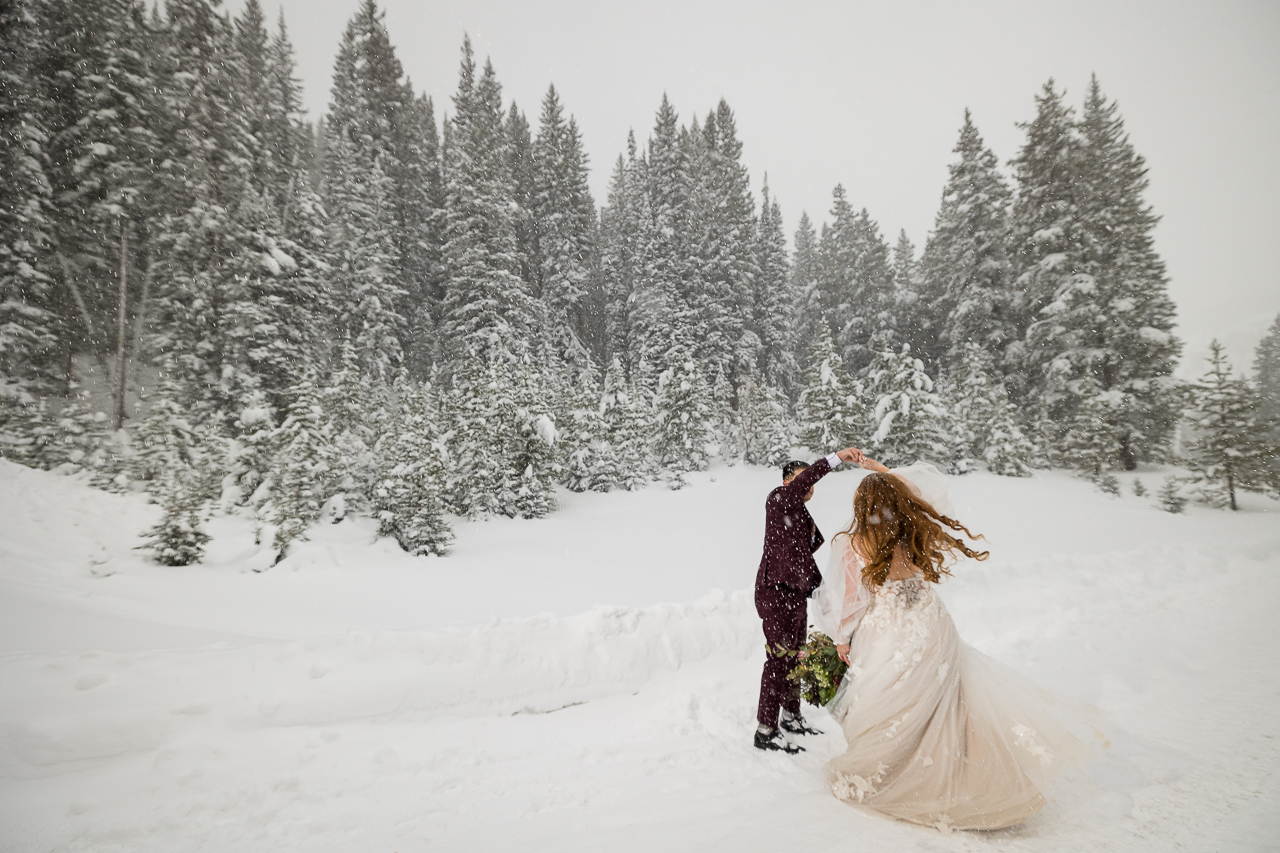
{"x": 418, "y": 311}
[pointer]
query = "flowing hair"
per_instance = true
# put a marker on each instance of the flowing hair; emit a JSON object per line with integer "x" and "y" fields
{"x": 886, "y": 514}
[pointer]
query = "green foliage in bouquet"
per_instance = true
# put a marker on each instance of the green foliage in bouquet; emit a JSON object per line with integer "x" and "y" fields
{"x": 819, "y": 669}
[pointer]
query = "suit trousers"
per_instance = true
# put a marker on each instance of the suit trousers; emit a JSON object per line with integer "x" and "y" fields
{"x": 784, "y": 627}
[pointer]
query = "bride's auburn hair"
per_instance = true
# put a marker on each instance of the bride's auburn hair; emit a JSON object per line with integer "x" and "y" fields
{"x": 886, "y": 514}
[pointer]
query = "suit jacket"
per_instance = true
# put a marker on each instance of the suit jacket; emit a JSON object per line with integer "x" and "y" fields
{"x": 788, "y": 573}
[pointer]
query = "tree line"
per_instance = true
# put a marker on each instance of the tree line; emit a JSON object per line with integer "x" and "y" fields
{"x": 411, "y": 315}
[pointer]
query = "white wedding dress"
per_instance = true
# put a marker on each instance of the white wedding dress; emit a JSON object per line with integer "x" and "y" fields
{"x": 939, "y": 734}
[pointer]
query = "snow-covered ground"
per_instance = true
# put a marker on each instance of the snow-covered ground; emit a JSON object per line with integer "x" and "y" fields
{"x": 588, "y": 681}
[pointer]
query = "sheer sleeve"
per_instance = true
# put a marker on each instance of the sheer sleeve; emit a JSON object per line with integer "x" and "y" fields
{"x": 842, "y": 599}
{"x": 856, "y": 597}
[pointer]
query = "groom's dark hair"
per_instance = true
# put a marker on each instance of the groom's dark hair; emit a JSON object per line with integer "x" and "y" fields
{"x": 790, "y": 469}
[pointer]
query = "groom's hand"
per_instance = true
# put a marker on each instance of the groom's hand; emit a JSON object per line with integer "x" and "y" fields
{"x": 851, "y": 454}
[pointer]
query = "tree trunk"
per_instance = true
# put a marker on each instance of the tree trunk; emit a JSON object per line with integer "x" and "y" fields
{"x": 1127, "y": 457}
{"x": 288, "y": 197}
{"x": 142, "y": 315}
{"x": 120, "y": 318}
{"x": 68, "y": 278}
{"x": 69, "y": 373}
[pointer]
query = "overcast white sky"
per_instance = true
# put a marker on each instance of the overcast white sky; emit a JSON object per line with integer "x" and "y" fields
{"x": 871, "y": 95}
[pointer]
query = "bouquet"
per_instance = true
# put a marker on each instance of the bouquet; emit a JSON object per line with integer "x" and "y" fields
{"x": 818, "y": 670}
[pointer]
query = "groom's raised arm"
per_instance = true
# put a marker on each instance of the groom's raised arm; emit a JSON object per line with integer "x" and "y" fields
{"x": 815, "y": 472}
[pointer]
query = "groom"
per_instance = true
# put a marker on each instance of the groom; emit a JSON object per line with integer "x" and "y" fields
{"x": 788, "y": 575}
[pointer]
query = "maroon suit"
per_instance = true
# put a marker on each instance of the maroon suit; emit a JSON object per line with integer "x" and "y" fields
{"x": 788, "y": 574}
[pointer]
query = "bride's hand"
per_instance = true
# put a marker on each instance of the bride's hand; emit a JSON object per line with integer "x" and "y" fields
{"x": 872, "y": 465}
{"x": 843, "y": 652}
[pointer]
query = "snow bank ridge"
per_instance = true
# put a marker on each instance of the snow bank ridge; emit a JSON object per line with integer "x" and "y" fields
{"x": 533, "y": 665}
{"x": 116, "y": 704}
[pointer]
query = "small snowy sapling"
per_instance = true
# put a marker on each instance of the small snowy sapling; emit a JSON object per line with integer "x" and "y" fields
{"x": 1170, "y": 496}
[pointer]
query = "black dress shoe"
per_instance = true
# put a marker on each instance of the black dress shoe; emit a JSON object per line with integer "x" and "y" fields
{"x": 773, "y": 739}
{"x": 797, "y": 726}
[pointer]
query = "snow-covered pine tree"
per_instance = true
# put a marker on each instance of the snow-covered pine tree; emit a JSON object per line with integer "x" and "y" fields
{"x": 1093, "y": 287}
{"x": 253, "y": 44}
{"x": 1266, "y": 370}
{"x": 629, "y": 425}
{"x": 724, "y": 253}
{"x": 502, "y": 438}
{"x": 383, "y": 166}
{"x": 475, "y": 440}
{"x": 363, "y": 257}
{"x": 1170, "y": 496}
{"x": 829, "y": 413}
{"x": 966, "y": 266}
{"x": 304, "y": 476}
{"x": 250, "y": 455}
{"x": 164, "y": 440}
{"x": 1132, "y": 349}
{"x": 369, "y": 188}
{"x": 408, "y": 494}
{"x": 348, "y": 398}
{"x": 288, "y": 310}
{"x": 586, "y": 457}
{"x": 418, "y": 199}
{"x": 422, "y": 199}
{"x": 1053, "y": 291}
{"x": 355, "y": 412}
{"x": 1091, "y": 444}
{"x": 36, "y": 430}
{"x": 1109, "y": 483}
{"x": 910, "y": 317}
{"x": 683, "y": 409}
{"x": 908, "y": 420}
{"x": 856, "y": 285}
{"x": 78, "y": 433}
{"x": 1046, "y": 438}
{"x": 29, "y": 339}
{"x": 518, "y": 148}
{"x": 726, "y": 421}
{"x": 22, "y": 419}
{"x": 1232, "y": 444}
{"x": 806, "y": 270}
{"x": 565, "y": 223}
{"x": 96, "y": 104}
{"x": 530, "y": 455}
{"x": 766, "y": 424}
{"x": 178, "y": 539}
{"x": 620, "y": 220}
{"x": 200, "y": 247}
{"x": 775, "y": 301}
{"x": 986, "y": 423}
{"x": 1008, "y": 452}
{"x": 659, "y": 308}
{"x": 287, "y": 139}
{"x": 488, "y": 311}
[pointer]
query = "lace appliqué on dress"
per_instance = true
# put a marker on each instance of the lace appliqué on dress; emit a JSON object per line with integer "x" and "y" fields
{"x": 849, "y": 786}
{"x": 909, "y": 606}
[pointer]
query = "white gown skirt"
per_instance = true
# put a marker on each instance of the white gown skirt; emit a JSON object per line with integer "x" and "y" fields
{"x": 940, "y": 734}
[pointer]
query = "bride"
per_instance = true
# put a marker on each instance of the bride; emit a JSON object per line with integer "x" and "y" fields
{"x": 939, "y": 734}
